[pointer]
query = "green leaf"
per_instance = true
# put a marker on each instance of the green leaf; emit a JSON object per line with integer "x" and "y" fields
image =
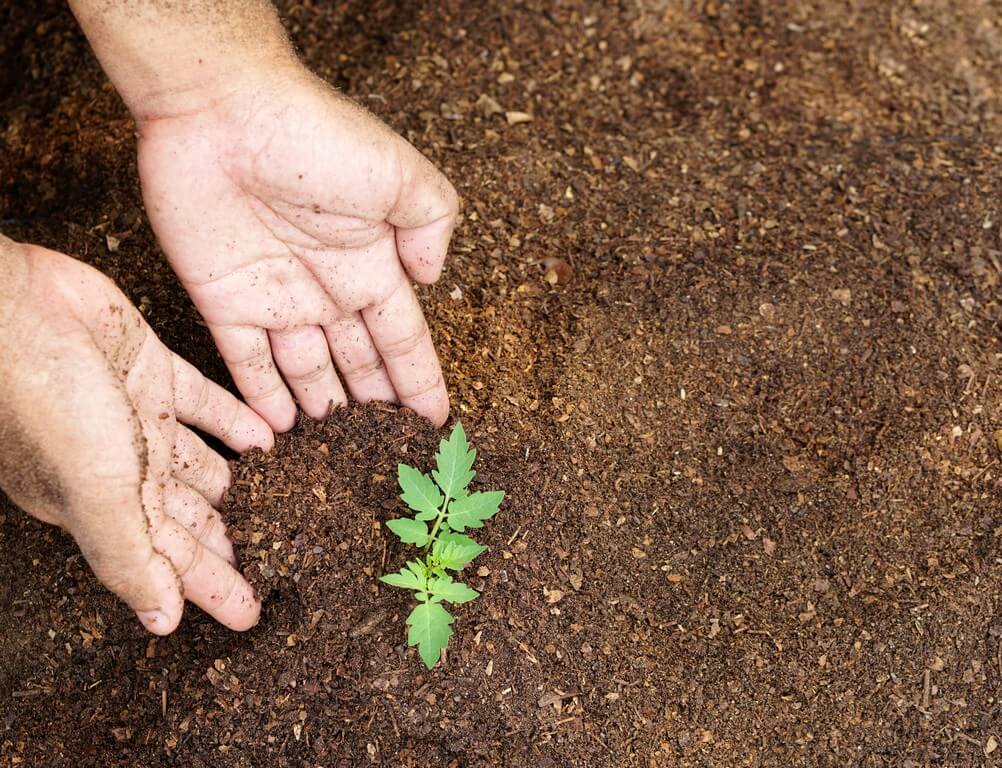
{"x": 430, "y": 630}
{"x": 419, "y": 492}
{"x": 410, "y": 531}
{"x": 471, "y": 511}
{"x": 455, "y": 460}
{"x": 454, "y": 550}
{"x": 453, "y": 591}
{"x": 405, "y": 579}
{"x": 418, "y": 569}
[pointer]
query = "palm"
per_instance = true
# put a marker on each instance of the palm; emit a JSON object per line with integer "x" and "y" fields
{"x": 293, "y": 221}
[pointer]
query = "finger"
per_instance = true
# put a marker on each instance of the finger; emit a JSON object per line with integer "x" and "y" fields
{"x": 204, "y": 404}
{"x": 124, "y": 560}
{"x": 196, "y": 465}
{"x": 209, "y": 581}
{"x": 247, "y": 354}
{"x": 196, "y": 515}
{"x": 401, "y": 335}
{"x": 111, "y": 456}
{"x": 303, "y": 357}
{"x": 424, "y": 216}
{"x": 359, "y": 361}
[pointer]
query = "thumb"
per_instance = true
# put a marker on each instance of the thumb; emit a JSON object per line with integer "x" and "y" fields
{"x": 424, "y": 216}
{"x": 123, "y": 559}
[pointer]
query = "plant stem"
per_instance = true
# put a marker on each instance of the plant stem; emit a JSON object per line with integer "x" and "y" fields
{"x": 438, "y": 523}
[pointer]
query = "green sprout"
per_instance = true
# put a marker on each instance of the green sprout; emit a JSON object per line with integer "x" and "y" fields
{"x": 448, "y": 508}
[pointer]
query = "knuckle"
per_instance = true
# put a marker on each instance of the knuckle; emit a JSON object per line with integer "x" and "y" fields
{"x": 211, "y": 526}
{"x": 190, "y": 558}
{"x": 362, "y": 366}
{"x": 275, "y": 386}
{"x": 424, "y": 388}
{"x": 223, "y": 589}
{"x": 228, "y": 425}
{"x": 309, "y": 374}
{"x": 204, "y": 396}
{"x": 406, "y": 344}
{"x": 257, "y": 358}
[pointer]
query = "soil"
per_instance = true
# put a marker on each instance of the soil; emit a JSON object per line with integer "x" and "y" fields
{"x": 748, "y": 423}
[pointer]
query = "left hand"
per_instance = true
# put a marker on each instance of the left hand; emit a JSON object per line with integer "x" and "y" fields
{"x": 296, "y": 220}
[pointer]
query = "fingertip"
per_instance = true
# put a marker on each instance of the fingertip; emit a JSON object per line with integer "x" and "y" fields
{"x": 423, "y": 250}
{"x": 441, "y": 416}
{"x": 166, "y": 589}
{"x": 316, "y": 412}
{"x": 434, "y": 406}
{"x": 266, "y": 441}
{"x": 278, "y": 412}
{"x": 259, "y": 433}
{"x": 243, "y": 609}
{"x": 157, "y": 622}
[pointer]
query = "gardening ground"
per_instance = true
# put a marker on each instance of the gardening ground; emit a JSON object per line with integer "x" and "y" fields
{"x": 747, "y": 423}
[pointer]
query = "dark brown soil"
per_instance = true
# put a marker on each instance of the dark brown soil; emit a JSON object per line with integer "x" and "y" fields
{"x": 750, "y": 447}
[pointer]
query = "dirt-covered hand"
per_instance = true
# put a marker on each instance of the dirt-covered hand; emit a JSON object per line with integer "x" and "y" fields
{"x": 296, "y": 220}
{"x": 90, "y": 440}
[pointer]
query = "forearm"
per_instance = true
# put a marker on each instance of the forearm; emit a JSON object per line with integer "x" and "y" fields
{"x": 169, "y": 57}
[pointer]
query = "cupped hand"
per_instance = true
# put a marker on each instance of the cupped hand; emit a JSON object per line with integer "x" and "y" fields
{"x": 91, "y": 439}
{"x": 296, "y": 220}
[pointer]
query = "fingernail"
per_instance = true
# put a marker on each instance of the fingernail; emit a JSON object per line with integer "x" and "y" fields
{"x": 154, "y": 621}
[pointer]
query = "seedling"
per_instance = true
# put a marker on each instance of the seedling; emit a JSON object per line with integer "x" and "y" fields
{"x": 444, "y": 504}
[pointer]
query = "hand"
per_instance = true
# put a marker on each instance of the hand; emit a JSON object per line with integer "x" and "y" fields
{"x": 90, "y": 440}
{"x": 296, "y": 221}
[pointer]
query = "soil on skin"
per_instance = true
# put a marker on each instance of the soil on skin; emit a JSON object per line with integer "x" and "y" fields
{"x": 748, "y": 428}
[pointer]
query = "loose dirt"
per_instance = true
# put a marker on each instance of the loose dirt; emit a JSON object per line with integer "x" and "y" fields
{"x": 722, "y": 317}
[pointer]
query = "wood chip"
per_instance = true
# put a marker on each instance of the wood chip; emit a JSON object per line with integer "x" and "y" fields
{"x": 558, "y": 271}
{"x": 516, "y": 118}
{"x": 488, "y": 106}
{"x": 842, "y": 295}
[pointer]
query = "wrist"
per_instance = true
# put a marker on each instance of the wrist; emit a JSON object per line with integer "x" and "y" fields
{"x": 207, "y": 87}
{"x": 168, "y": 63}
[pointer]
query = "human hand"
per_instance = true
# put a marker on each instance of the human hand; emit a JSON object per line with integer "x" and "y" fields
{"x": 90, "y": 440}
{"x": 296, "y": 220}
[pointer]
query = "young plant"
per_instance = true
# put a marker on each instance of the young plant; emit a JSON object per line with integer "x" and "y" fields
{"x": 444, "y": 509}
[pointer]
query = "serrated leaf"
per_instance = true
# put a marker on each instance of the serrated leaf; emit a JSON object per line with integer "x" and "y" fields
{"x": 453, "y": 591}
{"x": 455, "y": 459}
{"x": 405, "y": 579}
{"x": 430, "y": 629}
{"x": 458, "y": 538}
{"x": 471, "y": 511}
{"x": 417, "y": 568}
{"x": 410, "y": 531}
{"x": 454, "y": 550}
{"x": 419, "y": 492}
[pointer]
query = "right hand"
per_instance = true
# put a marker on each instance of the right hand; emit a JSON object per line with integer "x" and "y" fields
{"x": 91, "y": 440}
{"x": 296, "y": 221}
